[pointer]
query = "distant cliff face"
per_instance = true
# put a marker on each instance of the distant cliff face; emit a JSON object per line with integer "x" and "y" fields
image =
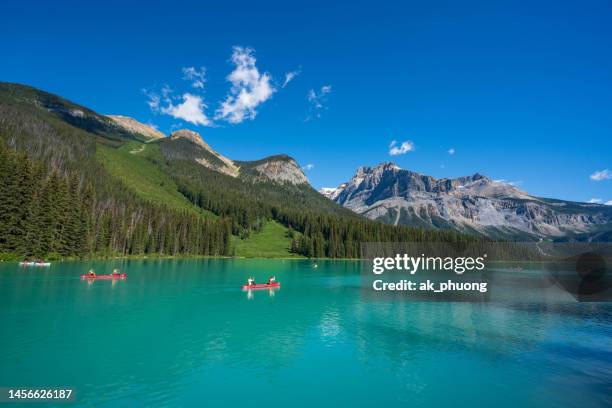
{"x": 279, "y": 169}
{"x": 470, "y": 204}
{"x": 190, "y": 135}
{"x": 331, "y": 192}
{"x": 134, "y": 126}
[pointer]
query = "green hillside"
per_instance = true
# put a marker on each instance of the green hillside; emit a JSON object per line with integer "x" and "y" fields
{"x": 71, "y": 187}
{"x": 273, "y": 241}
{"x": 131, "y": 165}
{"x": 77, "y": 184}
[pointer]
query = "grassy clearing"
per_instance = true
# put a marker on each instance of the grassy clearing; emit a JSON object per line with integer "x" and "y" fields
{"x": 271, "y": 242}
{"x": 144, "y": 177}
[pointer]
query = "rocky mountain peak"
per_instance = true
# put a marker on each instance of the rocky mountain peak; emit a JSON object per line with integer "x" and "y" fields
{"x": 473, "y": 203}
{"x": 193, "y": 137}
{"x": 332, "y": 192}
{"x": 281, "y": 169}
{"x": 387, "y": 166}
{"x": 134, "y": 126}
{"x": 204, "y": 154}
{"x": 380, "y": 168}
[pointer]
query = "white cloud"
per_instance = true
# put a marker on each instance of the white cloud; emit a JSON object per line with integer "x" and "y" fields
{"x": 451, "y": 151}
{"x": 249, "y": 88}
{"x": 191, "y": 110}
{"x": 309, "y": 166}
{"x": 595, "y": 201}
{"x": 317, "y": 101}
{"x": 153, "y": 99}
{"x": 601, "y": 175}
{"x": 405, "y": 147}
{"x": 166, "y": 92}
{"x": 290, "y": 76}
{"x": 197, "y": 77}
{"x": 188, "y": 107}
{"x": 609, "y": 202}
{"x": 153, "y": 102}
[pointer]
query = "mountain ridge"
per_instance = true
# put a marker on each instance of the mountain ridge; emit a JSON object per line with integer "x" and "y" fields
{"x": 128, "y": 194}
{"x": 132, "y": 125}
{"x": 474, "y": 204}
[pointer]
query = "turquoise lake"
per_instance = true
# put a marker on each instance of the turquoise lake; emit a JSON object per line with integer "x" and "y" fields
{"x": 183, "y": 333}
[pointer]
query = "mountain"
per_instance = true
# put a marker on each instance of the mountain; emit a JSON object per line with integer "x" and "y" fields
{"x": 332, "y": 192}
{"x": 133, "y": 126}
{"x": 72, "y": 186}
{"x": 80, "y": 184}
{"x": 472, "y": 204}
{"x": 189, "y": 145}
{"x": 279, "y": 168}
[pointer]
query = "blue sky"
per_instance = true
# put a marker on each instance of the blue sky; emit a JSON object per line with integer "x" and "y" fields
{"x": 522, "y": 91}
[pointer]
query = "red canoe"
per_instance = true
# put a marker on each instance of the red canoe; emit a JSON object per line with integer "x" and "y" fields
{"x": 114, "y": 276}
{"x": 262, "y": 286}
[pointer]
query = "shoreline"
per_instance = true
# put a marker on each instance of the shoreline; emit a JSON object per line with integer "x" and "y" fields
{"x": 182, "y": 257}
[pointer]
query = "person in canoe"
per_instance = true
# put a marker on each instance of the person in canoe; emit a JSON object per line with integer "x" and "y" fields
{"x": 91, "y": 272}
{"x": 115, "y": 271}
{"x": 271, "y": 280}
{"x": 250, "y": 281}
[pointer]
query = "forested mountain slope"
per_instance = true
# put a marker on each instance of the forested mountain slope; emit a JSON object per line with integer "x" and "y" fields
{"x": 76, "y": 183}
{"x": 52, "y": 174}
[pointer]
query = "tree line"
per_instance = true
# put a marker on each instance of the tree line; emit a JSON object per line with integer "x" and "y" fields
{"x": 317, "y": 227}
{"x": 56, "y": 214}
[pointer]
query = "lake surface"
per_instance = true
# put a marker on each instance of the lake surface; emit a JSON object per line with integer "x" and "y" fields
{"x": 182, "y": 333}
